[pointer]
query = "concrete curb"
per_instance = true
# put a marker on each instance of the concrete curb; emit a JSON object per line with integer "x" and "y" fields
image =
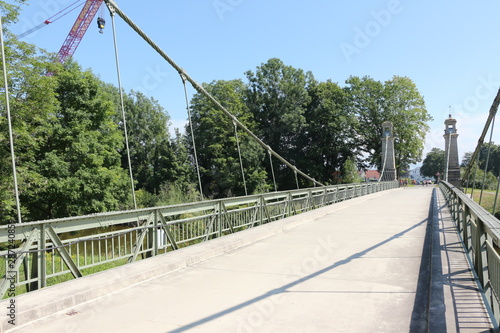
{"x": 62, "y": 297}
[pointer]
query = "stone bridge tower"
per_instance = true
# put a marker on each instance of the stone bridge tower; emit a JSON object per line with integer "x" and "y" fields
{"x": 452, "y": 167}
{"x": 388, "y": 159}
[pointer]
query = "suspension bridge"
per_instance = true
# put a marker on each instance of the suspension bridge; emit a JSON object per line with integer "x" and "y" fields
{"x": 371, "y": 256}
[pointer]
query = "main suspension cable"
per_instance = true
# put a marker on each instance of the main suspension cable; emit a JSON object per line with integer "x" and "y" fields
{"x": 492, "y": 113}
{"x": 124, "y": 118}
{"x": 200, "y": 89}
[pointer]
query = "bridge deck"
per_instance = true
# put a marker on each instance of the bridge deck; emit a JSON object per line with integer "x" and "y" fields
{"x": 357, "y": 266}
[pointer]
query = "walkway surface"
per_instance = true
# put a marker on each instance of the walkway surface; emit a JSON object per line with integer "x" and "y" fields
{"x": 356, "y": 266}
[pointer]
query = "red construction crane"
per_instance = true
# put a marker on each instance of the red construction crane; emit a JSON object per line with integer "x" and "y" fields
{"x": 79, "y": 29}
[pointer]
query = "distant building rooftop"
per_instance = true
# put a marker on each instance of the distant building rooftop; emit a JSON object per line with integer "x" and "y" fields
{"x": 370, "y": 175}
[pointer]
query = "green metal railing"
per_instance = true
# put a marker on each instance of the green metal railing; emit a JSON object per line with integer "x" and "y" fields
{"x": 480, "y": 233}
{"x": 35, "y": 254}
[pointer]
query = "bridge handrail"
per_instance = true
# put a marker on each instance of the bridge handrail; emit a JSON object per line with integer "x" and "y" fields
{"x": 480, "y": 234}
{"x": 47, "y": 249}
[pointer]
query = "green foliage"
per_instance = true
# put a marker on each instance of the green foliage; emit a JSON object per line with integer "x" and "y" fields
{"x": 69, "y": 135}
{"x": 329, "y": 138}
{"x": 151, "y": 152}
{"x": 33, "y": 106}
{"x": 277, "y": 97}
{"x": 434, "y": 162}
{"x": 466, "y": 160}
{"x": 488, "y": 159}
{"x": 398, "y": 101}
{"x": 494, "y": 158}
{"x": 350, "y": 172}
{"x": 216, "y": 143}
{"x": 77, "y": 169}
{"x": 478, "y": 179}
{"x": 176, "y": 193}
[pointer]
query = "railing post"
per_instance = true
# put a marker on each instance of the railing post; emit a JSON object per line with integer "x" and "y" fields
{"x": 310, "y": 202}
{"x": 219, "y": 218}
{"x": 465, "y": 231}
{"x": 156, "y": 233}
{"x": 42, "y": 267}
{"x": 150, "y": 232}
{"x": 261, "y": 209}
{"x": 478, "y": 251}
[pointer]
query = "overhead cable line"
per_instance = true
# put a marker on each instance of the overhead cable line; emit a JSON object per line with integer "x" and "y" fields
{"x": 202, "y": 90}
{"x": 52, "y": 19}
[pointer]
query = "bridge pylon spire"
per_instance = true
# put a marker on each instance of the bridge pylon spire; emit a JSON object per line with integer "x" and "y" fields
{"x": 388, "y": 159}
{"x": 452, "y": 167}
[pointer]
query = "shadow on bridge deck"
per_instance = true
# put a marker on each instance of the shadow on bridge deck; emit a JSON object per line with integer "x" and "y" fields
{"x": 363, "y": 265}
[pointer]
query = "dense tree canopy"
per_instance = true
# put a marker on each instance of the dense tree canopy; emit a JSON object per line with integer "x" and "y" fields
{"x": 486, "y": 167}
{"x": 277, "y": 96}
{"x": 216, "y": 143}
{"x": 398, "y": 101}
{"x": 70, "y": 148}
{"x": 329, "y": 136}
{"x": 434, "y": 163}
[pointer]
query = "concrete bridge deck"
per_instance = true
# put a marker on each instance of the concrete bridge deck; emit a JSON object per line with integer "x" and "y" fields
{"x": 362, "y": 265}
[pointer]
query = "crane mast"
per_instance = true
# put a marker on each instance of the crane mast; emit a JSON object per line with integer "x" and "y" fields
{"x": 78, "y": 30}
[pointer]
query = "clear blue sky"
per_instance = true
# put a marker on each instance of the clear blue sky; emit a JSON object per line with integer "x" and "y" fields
{"x": 450, "y": 49}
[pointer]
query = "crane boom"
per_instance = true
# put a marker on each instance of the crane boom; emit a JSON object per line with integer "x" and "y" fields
{"x": 78, "y": 30}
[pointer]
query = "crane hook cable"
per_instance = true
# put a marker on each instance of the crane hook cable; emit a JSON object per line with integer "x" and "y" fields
{"x": 51, "y": 19}
{"x": 112, "y": 6}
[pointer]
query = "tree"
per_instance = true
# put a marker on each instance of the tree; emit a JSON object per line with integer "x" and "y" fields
{"x": 410, "y": 118}
{"x": 277, "y": 96}
{"x": 466, "y": 160}
{"x": 493, "y": 162}
{"x": 366, "y": 101}
{"x": 33, "y": 106}
{"x": 329, "y": 136}
{"x": 350, "y": 172}
{"x": 183, "y": 174}
{"x": 494, "y": 158}
{"x": 77, "y": 169}
{"x": 151, "y": 153}
{"x": 433, "y": 163}
{"x": 398, "y": 101}
{"x": 216, "y": 144}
